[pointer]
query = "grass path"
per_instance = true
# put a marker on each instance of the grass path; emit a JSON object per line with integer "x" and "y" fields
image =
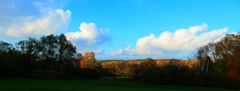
{"x": 89, "y": 85}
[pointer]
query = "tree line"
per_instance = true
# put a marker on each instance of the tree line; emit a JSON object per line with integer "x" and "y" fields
{"x": 49, "y": 56}
{"x": 55, "y": 57}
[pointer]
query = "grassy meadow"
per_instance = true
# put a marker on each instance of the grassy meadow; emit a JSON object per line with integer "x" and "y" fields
{"x": 90, "y": 85}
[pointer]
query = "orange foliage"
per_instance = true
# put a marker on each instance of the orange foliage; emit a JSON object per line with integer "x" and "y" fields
{"x": 88, "y": 60}
{"x": 115, "y": 66}
{"x": 189, "y": 63}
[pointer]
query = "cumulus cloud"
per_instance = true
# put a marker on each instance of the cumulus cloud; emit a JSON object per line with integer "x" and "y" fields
{"x": 88, "y": 35}
{"x": 50, "y": 22}
{"x": 21, "y": 19}
{"x": 186, "y": 39}
{"x": 88, "y": 32}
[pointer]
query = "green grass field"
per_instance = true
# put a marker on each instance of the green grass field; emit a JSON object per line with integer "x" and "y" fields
{"x": 89, "y": 85}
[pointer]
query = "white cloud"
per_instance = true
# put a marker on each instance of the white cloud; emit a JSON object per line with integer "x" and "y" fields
{"x": 50, "y": 21}
{"x": 116, "y": 53}
{"x": 186, "y": 39}
{"x": 98, "y": 51}
{"x": 27, "y": 18}
{"x": 88, "y": 35}
{"x": 88, "y": 32}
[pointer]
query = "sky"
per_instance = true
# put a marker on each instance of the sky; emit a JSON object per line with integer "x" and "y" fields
{"x": 123, "y": 29}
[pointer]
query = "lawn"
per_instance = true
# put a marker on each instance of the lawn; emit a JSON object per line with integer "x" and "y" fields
{"x": 89, "y": 85}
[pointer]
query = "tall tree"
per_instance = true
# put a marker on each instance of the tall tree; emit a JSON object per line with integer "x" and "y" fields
{"x": 225, "y": 55}
{"x": 205, "y": 61}
{"x": 66, "y": 50}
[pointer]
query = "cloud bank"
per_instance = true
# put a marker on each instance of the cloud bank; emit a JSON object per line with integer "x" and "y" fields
{"x": 50, "y": 22}
{"x": 22, "y": 19}
{"x": 186, "y": 39}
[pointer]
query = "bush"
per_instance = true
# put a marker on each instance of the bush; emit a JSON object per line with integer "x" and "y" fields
{"x": 183, "y": 75}
{"x": 169, "y": 74}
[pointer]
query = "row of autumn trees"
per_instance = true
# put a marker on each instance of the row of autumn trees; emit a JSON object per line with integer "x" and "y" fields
{"x": 47, "y": 57}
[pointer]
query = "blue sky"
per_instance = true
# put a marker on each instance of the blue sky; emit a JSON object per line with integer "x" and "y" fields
{"x": 123, "y": 29}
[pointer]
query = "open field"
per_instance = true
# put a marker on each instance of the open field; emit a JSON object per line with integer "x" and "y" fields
{"x": 89, "y": 85}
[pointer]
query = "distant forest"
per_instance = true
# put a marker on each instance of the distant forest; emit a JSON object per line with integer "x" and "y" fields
{"x": 54, "y": 57}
